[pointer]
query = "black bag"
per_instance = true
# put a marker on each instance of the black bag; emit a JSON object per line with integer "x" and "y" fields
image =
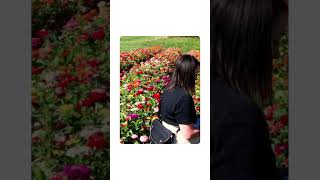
{"x": 160, "y": 134}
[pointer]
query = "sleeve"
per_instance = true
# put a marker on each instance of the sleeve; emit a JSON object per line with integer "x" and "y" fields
{"x": 245, "y": 151}
{"x": 184, "y": 110}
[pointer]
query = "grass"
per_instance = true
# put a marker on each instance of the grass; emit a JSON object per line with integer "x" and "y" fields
{"x": 128, "y": 43}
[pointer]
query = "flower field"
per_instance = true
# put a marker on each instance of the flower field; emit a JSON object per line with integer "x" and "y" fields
{"x": 70, "y": 90}
{"x": 141, "y": 88}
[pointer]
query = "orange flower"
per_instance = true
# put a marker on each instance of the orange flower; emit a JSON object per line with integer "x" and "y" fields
{"x": 90, "y": 15}
{"x": 136, "y": 84}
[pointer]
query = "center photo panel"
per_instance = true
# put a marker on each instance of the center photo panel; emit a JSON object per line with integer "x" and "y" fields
{"x": 159, "y": 90}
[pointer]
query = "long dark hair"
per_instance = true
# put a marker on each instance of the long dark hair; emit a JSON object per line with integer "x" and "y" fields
{"x": 184, "y": 74}
{"x": 241, "y": 45}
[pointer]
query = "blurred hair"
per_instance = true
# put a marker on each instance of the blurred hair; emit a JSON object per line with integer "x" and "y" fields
{"x": 241, "y": 45}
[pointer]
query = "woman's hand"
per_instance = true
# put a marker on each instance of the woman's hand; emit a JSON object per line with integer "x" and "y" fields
{"x": 188, "y": 131}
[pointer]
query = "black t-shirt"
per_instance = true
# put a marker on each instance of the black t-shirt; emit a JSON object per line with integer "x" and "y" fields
{"x": 240, "y": 147}
{"x": 177, "y": 107}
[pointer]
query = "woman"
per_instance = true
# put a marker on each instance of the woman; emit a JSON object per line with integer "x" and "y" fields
{"x": 241, "y": 75}
{"x": 177, "y": 110}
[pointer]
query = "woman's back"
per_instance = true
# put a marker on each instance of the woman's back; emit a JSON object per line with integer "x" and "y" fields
{"x": 239, "y": 147}
{"x": 177, "y": 107}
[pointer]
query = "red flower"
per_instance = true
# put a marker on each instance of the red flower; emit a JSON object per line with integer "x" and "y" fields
{"x": 198, "y": 108}
{"x": 87, "y": 102}
{"x": 98, "y": 95}
{"x": 123, "y": 125}
{"x": 140, "y": 106}
{"x": 269, "y": 113}
{"x": 150, "y": 88}
{"x": 147, "y": 99}
{"x": 284, "y": 119}
{"x": 128, "y": 118}
{"x": 93, "y": 63}
{"x": 148, "y": 104}
{"x": 36, "y": 139}
{"x": 157, "y": 96}
{"x": 36, "y": 70}
{"x": 139, "y": 72}
{"x": 59, "y": 125}
{"x": 129, "y": 88}
{"x": 42, "y": 33}
{"x": 280, "y": 148}
{"x": 83, "y": 37}
{"x": 140, "y": 91}
{"x": 98, "y": 35}
{"x": 97, "y": 140}
{"x": 57, "y": 177}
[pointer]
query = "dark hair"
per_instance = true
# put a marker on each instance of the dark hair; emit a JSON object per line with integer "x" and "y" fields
{"x": 241, "y": 45}
{"x": 184, "y": 74}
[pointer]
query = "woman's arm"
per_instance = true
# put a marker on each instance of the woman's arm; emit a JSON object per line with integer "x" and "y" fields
{"x": 188, "y": 131}
{"x": 185, "y": 116}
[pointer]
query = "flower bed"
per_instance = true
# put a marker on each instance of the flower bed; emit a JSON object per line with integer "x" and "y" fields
{"x": 135, "y": 57}
{"x": 277, "y": 113}
{"x": 141, "y": 91}
{"x": 70, "y": 95}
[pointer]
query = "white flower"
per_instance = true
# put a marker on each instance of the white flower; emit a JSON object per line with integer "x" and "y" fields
{"x": 79, "y": 151}
{"x": 144, "y": 139}
{"x": 88, "y": 131}
{"x": 134, "y": 136}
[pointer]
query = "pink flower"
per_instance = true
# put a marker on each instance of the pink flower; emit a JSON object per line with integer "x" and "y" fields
{"x": 77, "y": 172}
{"x": 134, "y": 136}
{"x": 71, "y": 24}
{"x": 134, "y": 116}
{"x": 36, "y": 42}
{"x": 144, "y": 139}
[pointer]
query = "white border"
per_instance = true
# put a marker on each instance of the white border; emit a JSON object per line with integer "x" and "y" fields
{"x": 159, "y": 18}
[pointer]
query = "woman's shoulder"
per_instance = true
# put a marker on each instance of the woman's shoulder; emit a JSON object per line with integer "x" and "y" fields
{"x": 179, "y": 92}
{"x": 231, "y": 107}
